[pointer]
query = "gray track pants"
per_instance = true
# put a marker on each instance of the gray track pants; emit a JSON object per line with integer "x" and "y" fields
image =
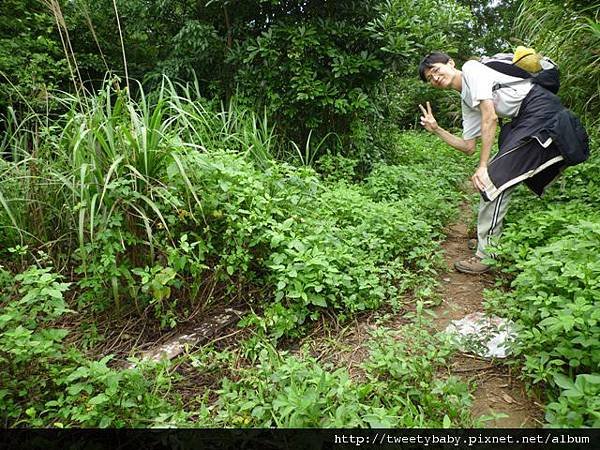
{"x": 489, "y": 220}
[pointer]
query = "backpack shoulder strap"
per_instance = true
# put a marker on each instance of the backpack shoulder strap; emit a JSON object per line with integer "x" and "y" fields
{"x": 502, "y": 62}
{"x": 548, "y": 77}
{"x": 508, "y": 69}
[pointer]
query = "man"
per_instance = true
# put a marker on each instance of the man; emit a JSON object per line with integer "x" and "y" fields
{"x": 532, "y": 147}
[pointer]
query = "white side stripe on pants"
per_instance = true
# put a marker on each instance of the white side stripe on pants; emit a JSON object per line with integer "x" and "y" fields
{"x": 489, "y": 220}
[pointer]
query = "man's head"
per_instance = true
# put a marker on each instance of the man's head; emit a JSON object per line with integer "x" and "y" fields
{"x": 439, "y": 70}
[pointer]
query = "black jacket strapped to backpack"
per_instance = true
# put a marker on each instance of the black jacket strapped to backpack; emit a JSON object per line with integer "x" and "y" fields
{"x": 546, "y": 117}
{"x": 544, "y": 137}
{"x": 536, "y": 145}
{"x": 542, "y": 117}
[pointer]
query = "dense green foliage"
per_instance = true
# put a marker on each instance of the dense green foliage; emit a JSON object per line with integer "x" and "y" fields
{"x": 149, "y": 202}
{"x": 45, "y": 383}
{"x": 400, "y": 389}
{"x": 31, "y": 58}
{"x": 139, "y": 211}
{"x": 323, "y": 74}
{"x": 550, "y": 248}
{"x": 272, "y": 175}
{"x": 492, "y": 24}
{"x": 314, "y": 66}
{"x": 569, "y": 33}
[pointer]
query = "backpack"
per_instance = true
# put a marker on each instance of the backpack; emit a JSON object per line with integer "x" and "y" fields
{"x": 548, "y": 77}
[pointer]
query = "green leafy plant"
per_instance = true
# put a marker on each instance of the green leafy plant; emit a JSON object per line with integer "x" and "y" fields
{"x": 47, "y": 384}
{"x": 156, "y": 282}
{"x": 409, "y": 360}
{"x": 401, "y": 389}
{"x": 578, "y": 405}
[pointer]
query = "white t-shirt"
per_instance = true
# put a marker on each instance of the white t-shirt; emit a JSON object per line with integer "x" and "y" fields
{"x": 478, "y": 82}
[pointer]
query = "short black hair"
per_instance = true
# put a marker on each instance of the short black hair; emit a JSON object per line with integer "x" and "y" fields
{"x": 430, "y": 60}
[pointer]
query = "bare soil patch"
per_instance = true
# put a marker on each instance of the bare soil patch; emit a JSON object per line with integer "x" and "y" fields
{"x": 343, "y": 346}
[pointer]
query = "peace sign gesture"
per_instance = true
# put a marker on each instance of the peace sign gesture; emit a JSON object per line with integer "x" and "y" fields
{"x": 427, "y": 119}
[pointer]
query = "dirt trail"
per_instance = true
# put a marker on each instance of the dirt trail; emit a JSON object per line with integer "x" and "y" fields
{"x": 462, "y": 294}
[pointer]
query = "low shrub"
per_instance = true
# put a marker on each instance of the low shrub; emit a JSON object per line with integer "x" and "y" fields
{"x": 316, "y": 244}
{"x": 45, "y": 383}
{"x": 401, "y": 389}
{"x": 578, "y": 404}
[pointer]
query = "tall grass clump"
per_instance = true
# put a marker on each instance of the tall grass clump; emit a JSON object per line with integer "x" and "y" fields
{"x": 90, "y": 187}
{"x": 570, "y": 35}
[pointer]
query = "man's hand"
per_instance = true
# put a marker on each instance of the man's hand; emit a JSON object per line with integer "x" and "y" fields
{"x": 478, "y": 178}
{"x": 427, "y": 119}
{"x": 430, "y": 124}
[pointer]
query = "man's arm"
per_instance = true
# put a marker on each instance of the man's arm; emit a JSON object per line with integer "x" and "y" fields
{"x": 489, "y": 121}
{"x": 428, "y": 121}
{"x": 464, "y": 145}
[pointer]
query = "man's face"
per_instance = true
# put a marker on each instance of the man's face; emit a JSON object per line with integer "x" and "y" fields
{"x": 440, "y": 75}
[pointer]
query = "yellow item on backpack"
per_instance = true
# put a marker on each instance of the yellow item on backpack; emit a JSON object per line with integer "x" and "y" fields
{"x": 527, "y": 59}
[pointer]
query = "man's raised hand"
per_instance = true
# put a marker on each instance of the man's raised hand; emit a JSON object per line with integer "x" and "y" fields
{"x": 427, "y": 119}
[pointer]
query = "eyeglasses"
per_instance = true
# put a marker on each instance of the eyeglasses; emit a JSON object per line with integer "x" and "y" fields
{"x": 434, "y": 70}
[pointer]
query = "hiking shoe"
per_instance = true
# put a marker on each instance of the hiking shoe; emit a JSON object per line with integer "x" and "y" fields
{"x": 473, "y": 266}
{"x": 472, "y": 244}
